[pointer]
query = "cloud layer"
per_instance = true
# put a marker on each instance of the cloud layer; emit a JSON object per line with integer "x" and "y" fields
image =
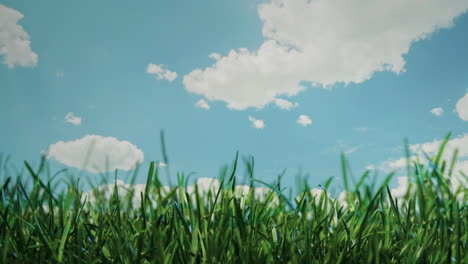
{"x": 202, "y": 104}
{"x": 302, "y": 43}
{"x": 285, "y": 104}
{"x": 73, "y": 119}
{"x": 160, "y": 73}
{"x": 431, "y": 149}
{"x": 96, "y": 154}
{"x": 462, "y": 107}
{"x": 15, "y": 45}
{"x": 204, "y": 186}
{"x": 258, "y": 124}
{"x": 438, "y": 111}
{"x": 304, "y": 120}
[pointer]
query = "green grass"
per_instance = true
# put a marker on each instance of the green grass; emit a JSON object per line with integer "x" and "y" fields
{"x": 154, "y": 224}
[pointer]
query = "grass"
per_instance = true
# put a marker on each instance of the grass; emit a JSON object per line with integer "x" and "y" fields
{"x": 157, "y": 224}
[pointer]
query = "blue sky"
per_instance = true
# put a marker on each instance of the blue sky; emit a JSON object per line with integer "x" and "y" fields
{"x": 366, "y": 76}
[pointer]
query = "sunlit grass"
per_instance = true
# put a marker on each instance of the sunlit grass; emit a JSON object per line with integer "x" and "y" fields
{"x": 221, "y": 222}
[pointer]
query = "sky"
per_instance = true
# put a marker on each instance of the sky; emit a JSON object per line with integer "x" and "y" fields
{"x": 294, "y": 83}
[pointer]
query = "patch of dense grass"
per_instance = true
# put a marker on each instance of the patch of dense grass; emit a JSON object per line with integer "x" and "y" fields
{"x": 156, "y": 224}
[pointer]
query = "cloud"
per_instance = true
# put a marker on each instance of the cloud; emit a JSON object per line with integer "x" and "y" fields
{"x": 212, "y": 185}
{"x": 258, "y": 124}
{"x": 285, "y": 104}
{"x": 215, "y": 56}
{"x": 105, "y": 192}
{"x": 462, "y": 107}
{"x": 259, "y": 193}
{"x": 162, "y": 164}
{"x": 160, "y": 73}
{"x": 304, "y": 120}
{"x": 438, "y": 111}
{"x": 205, "y": 186}
{"x": 72, "y": 119}
{"x": 316, "y": 194}
{"x": 400, "y": 191}
{"x": 15, "y": 45}
{"x": 202, "y": 104}
{"x": 95, "y": 154}
{"x": 246, "y": 79}
{"x": 431, "y": 149}
{"x": 303, "y": 44}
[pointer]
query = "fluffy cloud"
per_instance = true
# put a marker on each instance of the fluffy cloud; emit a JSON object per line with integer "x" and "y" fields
{"x": 160, "y": 73}
{"x": 15, "y": 45}
{"x": 285, "y": 104}
{"x": 202, "y": 104}
{"x": 96, "y": 154}
{"x": 259, "y": 193}
{"x": 302, "y": 44}
{"x": 105, "y": 192}
{"x": 431, "y": 149}
{"x": 462, "y": 107}
{"x": 246, "y": 79}
{"x": 258, "y": 124}
{"x": 204, "y": 185}
{"x": 304, "y": 120}
{"x": 72, "y": 119}
{"x": 162, "y": 164}
{"x": 400, "y": 191}
{"x": 438, "y": 111}
{"x": 316, "y": 194}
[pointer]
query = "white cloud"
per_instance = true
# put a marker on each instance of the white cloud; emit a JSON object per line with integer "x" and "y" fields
{"x": 303, "y": 43}
{"x": 431, "y": 149}
{"x": 215, "y": 56}
{"x": 96, "y": 154}
{"x": 438, "y": 111}
{"x": 160, "y": 73}
{"x": 304, "y": 120}
{"x": 202, "y": 104}
{"x": 105, "y": 192}
{"x": 317, "y": 194}
{"x": 400, "y": 191}
{"x": 258, "y": 124}
{"x": 259, "y": 193}
{"x": 285, "y": 104}
{"x": 204, "y": 186}
{"x": 462, "y": 107}
{"x": 246, "y": 79}
{"x": 212, "y": 185}
{"x": 15, "y": 45}
{"x": 162, "y": 164}
{"x": 72, "y": 119}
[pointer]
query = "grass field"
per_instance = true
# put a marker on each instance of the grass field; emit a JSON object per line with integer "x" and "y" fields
{"x": 227, "y": 223}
